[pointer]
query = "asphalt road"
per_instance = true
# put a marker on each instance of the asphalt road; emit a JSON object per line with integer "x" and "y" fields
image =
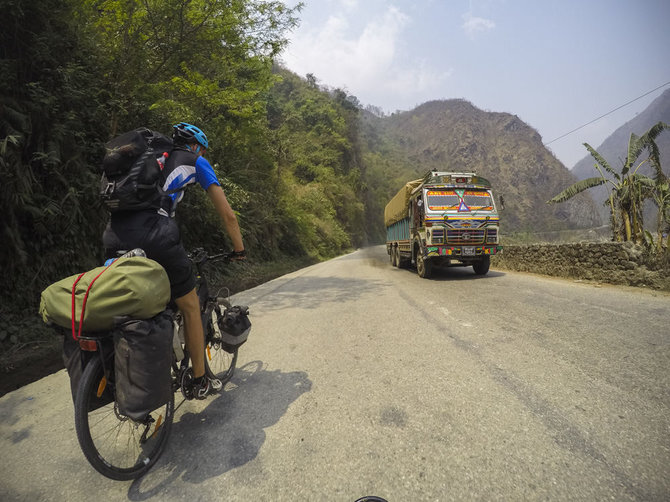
{"x": 361, "y": 379}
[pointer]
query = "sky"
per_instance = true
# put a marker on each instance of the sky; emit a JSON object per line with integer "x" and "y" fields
{"x": 557, "y": 64}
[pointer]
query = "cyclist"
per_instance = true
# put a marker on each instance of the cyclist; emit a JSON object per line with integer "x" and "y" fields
{"x": 157, "y": 233}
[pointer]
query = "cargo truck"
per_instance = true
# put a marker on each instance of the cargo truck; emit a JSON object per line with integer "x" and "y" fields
{"x": 443, "y": 219}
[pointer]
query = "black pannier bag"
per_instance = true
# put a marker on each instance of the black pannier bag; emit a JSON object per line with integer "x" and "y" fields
{"x": 132, "y": 174}
{"x": 75, "y": 361}
{"x": 142, "y": 362}
{"x": 234, "y": 326}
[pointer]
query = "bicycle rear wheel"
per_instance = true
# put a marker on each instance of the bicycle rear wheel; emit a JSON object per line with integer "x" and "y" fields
{"x": 116, "y": 446}
{"x": 219, "y": 363}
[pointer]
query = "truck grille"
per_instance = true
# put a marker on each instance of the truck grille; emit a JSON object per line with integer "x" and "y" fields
{"x": 463, "y": 236}
{"x": 438, "y": 236}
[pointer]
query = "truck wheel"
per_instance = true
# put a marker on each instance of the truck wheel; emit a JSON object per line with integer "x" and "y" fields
{"x": 482, "y": 267}
{"x": 424, "y": 267}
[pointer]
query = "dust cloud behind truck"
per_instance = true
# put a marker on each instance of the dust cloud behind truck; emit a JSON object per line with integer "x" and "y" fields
{"x": 443, "y": 219}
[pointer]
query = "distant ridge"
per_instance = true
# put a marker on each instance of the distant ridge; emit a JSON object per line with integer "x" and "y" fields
{"x": 456, "y": 135}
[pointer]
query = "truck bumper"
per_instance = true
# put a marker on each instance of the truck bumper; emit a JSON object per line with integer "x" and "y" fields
{"x": 463, "y": 251}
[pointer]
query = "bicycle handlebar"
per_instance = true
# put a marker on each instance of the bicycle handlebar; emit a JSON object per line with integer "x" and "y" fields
{"x": 199, "y": 256}
{"x": 225, "y": 256}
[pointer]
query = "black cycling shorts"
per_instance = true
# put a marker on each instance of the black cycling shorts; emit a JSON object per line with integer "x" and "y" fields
{"x": 159, "y": 237}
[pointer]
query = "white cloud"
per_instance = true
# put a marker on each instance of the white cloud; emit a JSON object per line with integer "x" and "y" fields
{"x": 338, "y": 57}
{"x": 473, "y": 25}
{"x": 368, "y": 63}
{"x": 419, "y": 80}
{"x": 349, "y": 4}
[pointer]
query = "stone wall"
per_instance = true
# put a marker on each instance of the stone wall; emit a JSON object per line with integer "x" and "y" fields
{"x": 609, "y": 262}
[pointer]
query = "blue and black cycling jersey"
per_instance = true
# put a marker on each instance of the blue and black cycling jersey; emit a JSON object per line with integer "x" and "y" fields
{"x": 184, "y": 168}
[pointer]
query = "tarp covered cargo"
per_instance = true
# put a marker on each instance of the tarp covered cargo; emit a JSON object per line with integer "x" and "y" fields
{"x": 396, "y": 209}
{"x": 136, "y": 287}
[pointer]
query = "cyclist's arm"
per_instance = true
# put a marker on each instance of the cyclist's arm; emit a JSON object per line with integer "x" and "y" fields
{"x": 218, "y": 198}
{"x": 205, "y": 175}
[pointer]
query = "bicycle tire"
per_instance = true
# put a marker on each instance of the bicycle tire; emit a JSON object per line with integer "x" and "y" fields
{"x": 112, "y": 443}
{"x": 219, "y": 363}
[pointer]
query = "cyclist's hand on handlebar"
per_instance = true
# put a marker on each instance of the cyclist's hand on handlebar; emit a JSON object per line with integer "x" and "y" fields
{"x": 238, "y": 255}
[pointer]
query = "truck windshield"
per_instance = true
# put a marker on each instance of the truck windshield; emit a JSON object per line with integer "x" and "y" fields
{"x": 462, "y": 200}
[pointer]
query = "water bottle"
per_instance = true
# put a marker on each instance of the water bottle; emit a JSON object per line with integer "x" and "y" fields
{"x": 161, "y": 160}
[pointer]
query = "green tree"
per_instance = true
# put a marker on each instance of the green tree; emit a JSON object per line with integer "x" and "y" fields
{"x": 51, "y": 123}
{"x": 190, "y": 59}
{"x": 628, "y": 189}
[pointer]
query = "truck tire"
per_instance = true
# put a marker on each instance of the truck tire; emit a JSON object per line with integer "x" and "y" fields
{"x": 424, "y": 267}
{"x": 482, "y": 267}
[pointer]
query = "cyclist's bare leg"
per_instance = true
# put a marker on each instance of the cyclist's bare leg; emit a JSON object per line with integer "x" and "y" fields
{"x": 189, "y": 305}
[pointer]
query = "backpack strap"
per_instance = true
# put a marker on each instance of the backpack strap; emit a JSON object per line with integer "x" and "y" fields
{"x": 83, "y": 306}
{"x": 73, "y": 316}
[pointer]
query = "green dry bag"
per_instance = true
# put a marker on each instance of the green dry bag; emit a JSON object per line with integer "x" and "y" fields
{"x": 135, "y": 287}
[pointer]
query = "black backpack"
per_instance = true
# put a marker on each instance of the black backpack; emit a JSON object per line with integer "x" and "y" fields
{"x": 132, "y": 171}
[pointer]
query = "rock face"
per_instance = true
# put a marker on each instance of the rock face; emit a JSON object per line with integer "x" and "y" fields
{"x": 615, "y": 147}
{"x": 454, "y": 135}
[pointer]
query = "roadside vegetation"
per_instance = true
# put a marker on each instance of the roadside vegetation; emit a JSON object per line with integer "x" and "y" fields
{"x": 77, "y": 72}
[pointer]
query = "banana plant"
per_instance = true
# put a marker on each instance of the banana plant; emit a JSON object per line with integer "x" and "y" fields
{"x": 627, "y": 189}
{"x": 660, "y": 190}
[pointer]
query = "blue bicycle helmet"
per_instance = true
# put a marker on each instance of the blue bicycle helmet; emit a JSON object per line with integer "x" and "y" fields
{"x": 187, "y": 133}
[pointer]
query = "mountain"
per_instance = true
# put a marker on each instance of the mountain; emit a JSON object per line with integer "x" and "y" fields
{"x": 455, "y": 135}
{"x": 615, "y": 147}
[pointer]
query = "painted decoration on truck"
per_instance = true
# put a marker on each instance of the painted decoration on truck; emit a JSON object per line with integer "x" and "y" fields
{"x": 441, "y": 200}
{"x": 460, "y": 200}
{"x": 463, "y": 220}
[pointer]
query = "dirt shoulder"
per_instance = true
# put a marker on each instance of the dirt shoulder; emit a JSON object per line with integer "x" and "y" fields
{"x": 23, "y": 364}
